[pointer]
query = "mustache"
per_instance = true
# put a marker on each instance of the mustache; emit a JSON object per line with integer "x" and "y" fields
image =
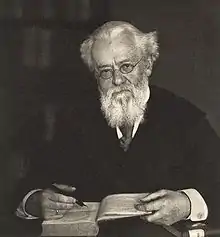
{"x": 117, "y": 90}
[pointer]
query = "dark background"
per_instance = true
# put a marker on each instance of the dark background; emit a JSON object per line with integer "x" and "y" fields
{"x": 189, "y": 34}
{"x": 41, "y": 67}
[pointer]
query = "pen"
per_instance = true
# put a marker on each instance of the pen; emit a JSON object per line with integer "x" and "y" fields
{"x": 66, "y": 193}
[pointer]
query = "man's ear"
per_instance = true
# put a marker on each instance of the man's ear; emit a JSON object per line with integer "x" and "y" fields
{"x": 149, "y": 67}
{"x": 151, "y": 45}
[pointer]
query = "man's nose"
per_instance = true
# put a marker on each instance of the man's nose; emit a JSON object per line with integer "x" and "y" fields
{"x": 118, "y": 79}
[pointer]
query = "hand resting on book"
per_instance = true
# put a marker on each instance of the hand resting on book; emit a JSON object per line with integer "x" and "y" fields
{"x": 49, "y": 204}
{"x": 167, "y": 207}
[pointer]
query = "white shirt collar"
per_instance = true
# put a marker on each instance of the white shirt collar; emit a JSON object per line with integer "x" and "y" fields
{"x": 137, "y": 122}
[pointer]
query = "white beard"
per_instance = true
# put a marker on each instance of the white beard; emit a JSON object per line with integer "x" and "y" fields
{"x": 124, "y": 105}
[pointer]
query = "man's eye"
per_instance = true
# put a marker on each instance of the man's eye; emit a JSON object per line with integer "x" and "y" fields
{"x": 106, "y": 73}
{"x": 126, "y": 68}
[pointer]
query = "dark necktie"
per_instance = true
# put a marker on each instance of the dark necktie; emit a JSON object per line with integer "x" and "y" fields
{"x": 126, "y": 138}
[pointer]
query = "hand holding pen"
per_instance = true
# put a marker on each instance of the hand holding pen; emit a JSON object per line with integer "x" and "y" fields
{"x": 67, "y": 191}
{"x": 52, "y": 202}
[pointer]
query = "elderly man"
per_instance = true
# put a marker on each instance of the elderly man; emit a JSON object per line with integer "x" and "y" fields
{"x": 153, "y": 141}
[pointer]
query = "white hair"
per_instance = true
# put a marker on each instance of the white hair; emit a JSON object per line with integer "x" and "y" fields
{"x": 145, "y": 41}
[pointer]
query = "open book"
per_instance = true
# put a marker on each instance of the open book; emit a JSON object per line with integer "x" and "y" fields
{"x": 83, "y": 221}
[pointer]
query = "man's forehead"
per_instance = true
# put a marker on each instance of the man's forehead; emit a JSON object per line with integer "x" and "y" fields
{"x": 118, "y": 48}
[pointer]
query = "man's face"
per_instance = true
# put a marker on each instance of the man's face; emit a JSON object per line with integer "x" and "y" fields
{"x": 122, "y": 79}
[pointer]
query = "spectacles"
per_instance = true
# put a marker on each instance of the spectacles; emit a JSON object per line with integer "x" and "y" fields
{"x": 125, "y": 68}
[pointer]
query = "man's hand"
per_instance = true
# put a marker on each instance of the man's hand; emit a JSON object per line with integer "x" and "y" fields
{"x": 48, "y": 204}
{"x": 167, "y": 207}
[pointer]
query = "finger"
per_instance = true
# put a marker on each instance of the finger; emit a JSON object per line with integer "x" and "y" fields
{"x": 64, "y": 187}
{"x": 56, "y": 197}
{"x": 151, "y": 206}
{"x": 153, "y": 196}
{"x": 58, "y": 205}
{"x": 154, "y": 205}
{"x": 144, "y": 217}
{"x": 50, "y": 214}
{"x": 155, "y": 217}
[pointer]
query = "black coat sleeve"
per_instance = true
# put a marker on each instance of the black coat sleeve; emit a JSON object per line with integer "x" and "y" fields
{"x": 30, "y": 145}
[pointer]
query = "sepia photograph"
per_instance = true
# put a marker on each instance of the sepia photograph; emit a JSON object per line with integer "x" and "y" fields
{"x": 110, "y": 122}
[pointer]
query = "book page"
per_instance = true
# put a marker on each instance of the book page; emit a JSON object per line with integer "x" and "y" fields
{"x": 79, "y": 221}
{"x": 120, "y": 206}
{"x": 77, "y": 214}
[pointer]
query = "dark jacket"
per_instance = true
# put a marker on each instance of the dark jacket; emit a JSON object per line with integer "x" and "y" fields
{"x": 175, "y": 148}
